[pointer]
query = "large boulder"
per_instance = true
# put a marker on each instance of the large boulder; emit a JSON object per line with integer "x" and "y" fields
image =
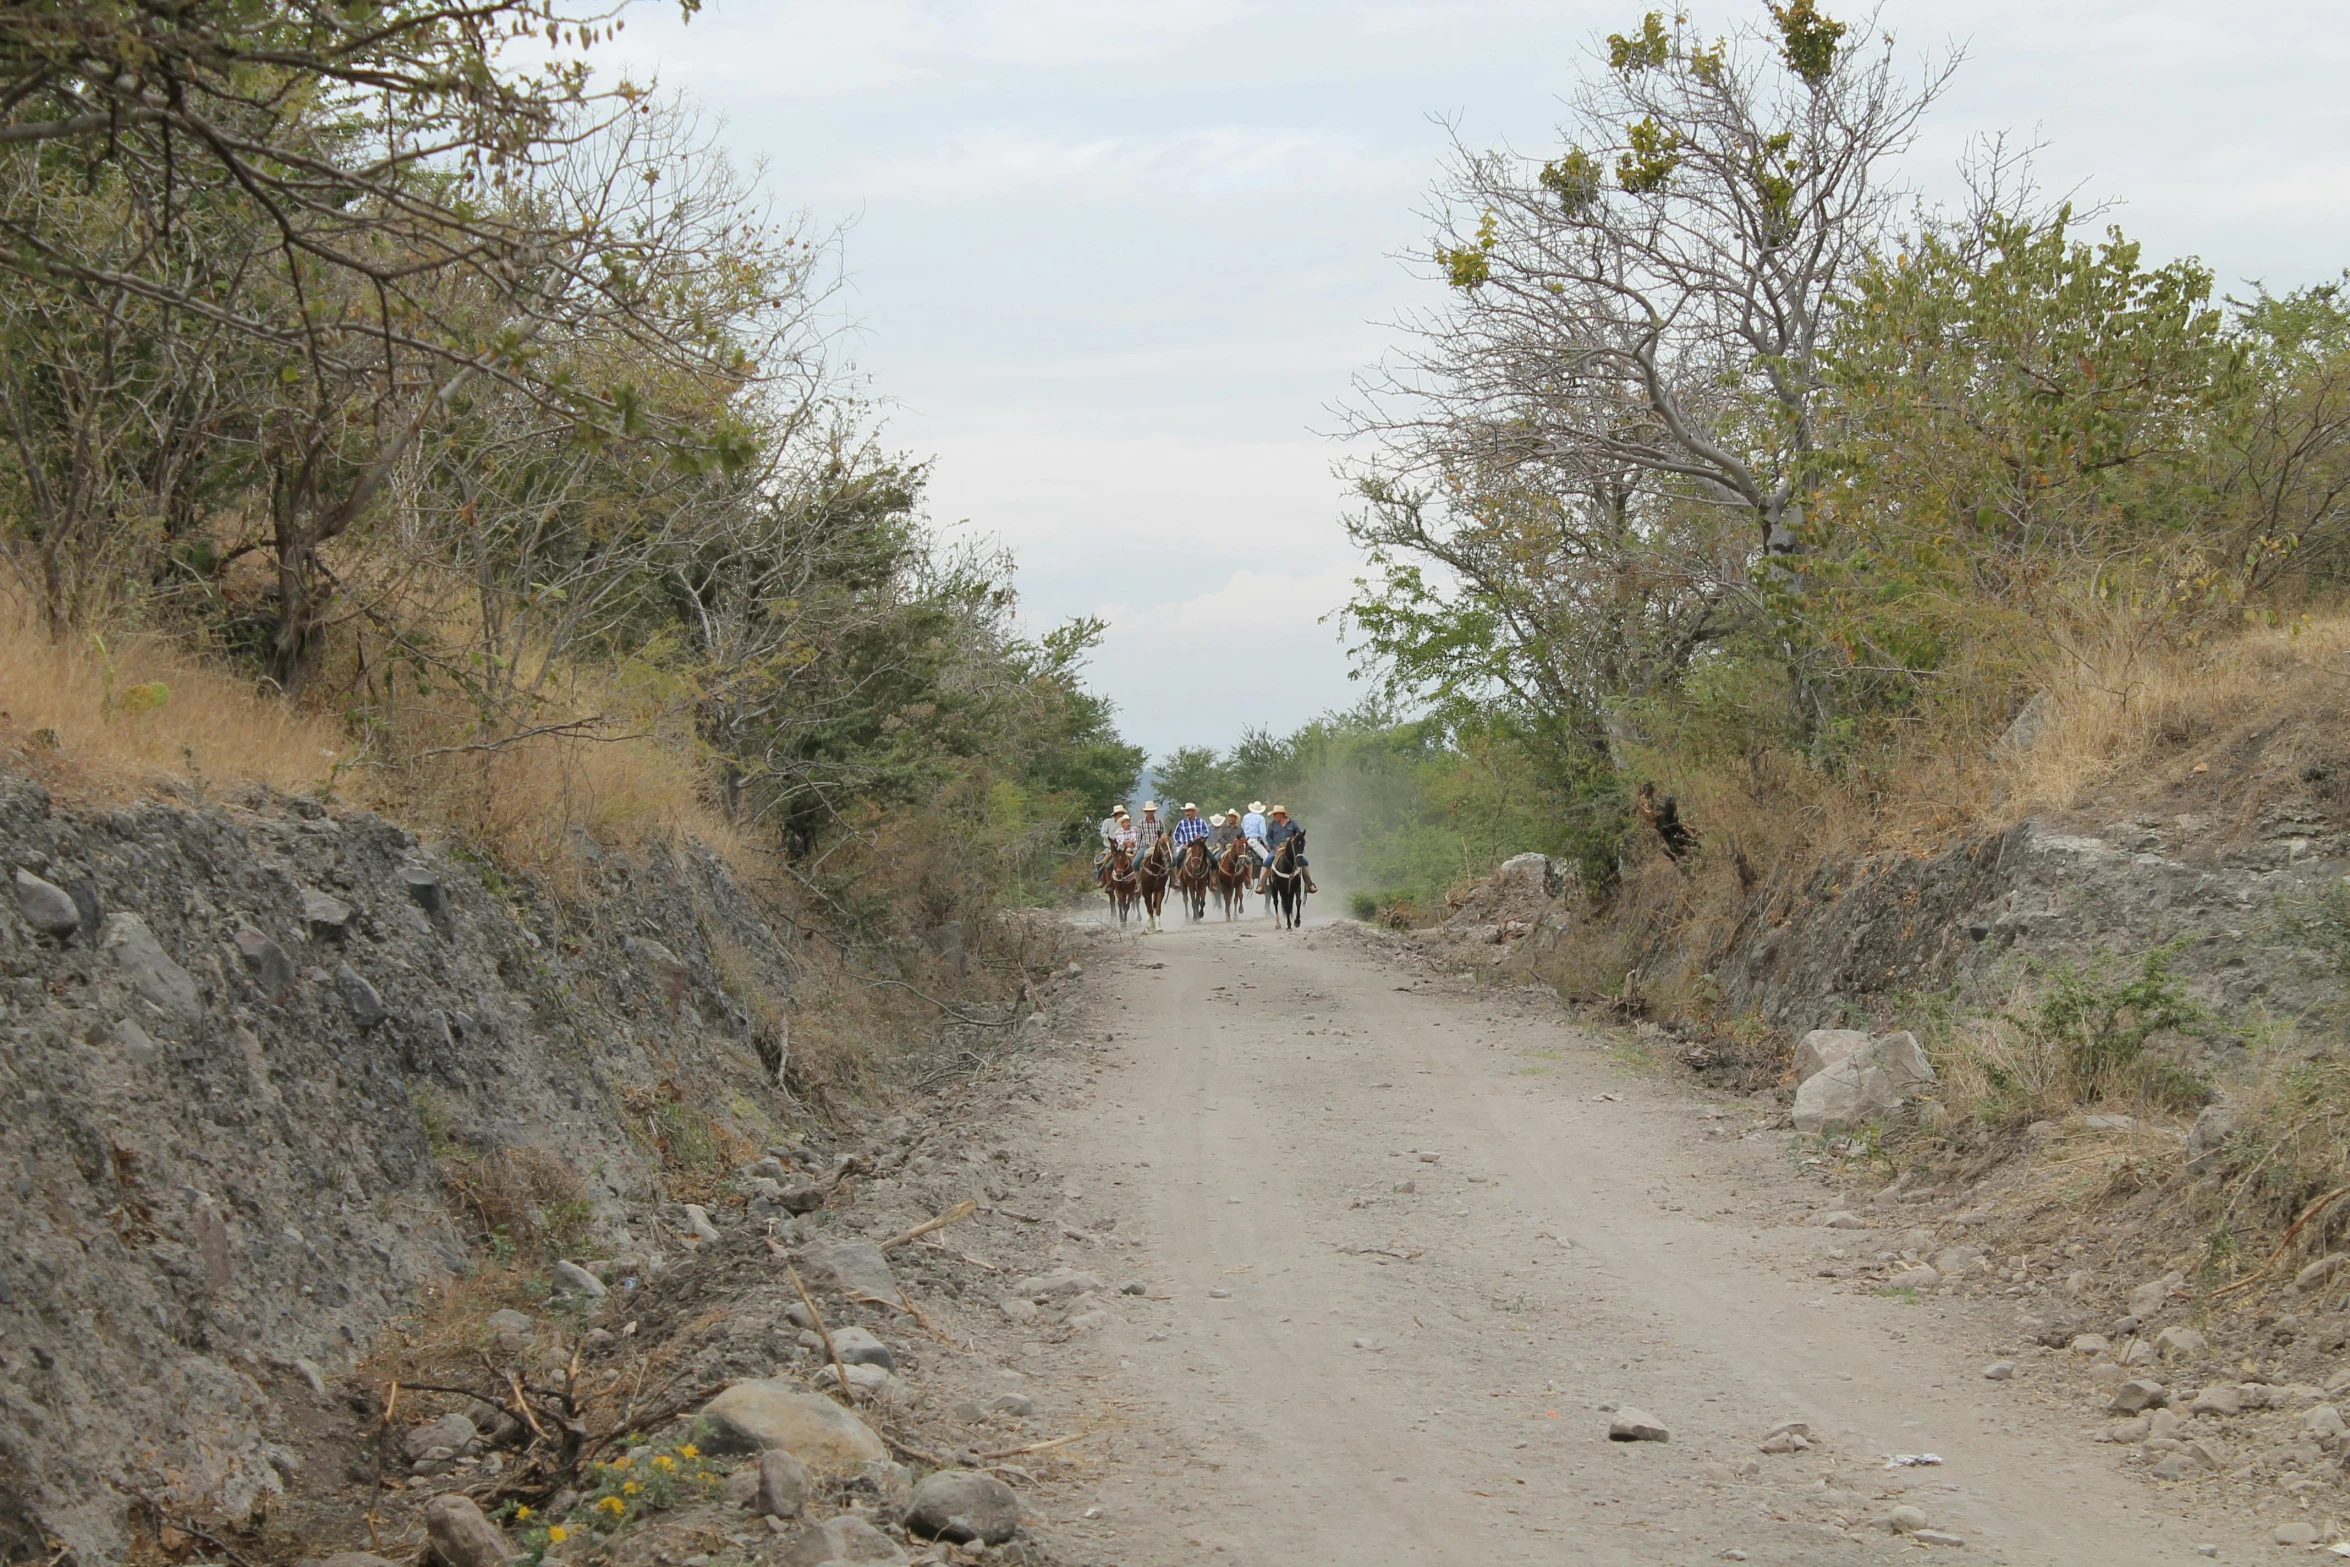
{"x": 1823, "y": 1048}
{"x": 751, "y": 1417}
{"x": 1870, "y": 1084}
{"x": 963, "y": 1505}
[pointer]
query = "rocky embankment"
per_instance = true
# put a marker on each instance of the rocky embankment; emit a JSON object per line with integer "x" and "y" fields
{"x": 245, "y": 1045}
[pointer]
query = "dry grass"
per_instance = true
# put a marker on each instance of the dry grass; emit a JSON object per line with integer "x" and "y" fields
{"x": 2120, "y": 707}
{"x": 112, "y": 719}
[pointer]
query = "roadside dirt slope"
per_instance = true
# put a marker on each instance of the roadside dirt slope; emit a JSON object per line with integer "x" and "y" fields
{"x": 1425, "y": 1375}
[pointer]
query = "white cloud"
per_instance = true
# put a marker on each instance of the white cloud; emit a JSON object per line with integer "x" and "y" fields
{"x": 1252, "y": 649}
{"x": 993, "y": 162}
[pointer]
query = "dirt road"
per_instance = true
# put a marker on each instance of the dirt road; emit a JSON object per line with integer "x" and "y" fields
{"x": 1407, "y": 1242}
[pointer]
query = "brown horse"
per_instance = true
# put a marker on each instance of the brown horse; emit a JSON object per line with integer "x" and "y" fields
{"x": 1232, "y": 873}
{"x": 1152, "y": 871}
{"x": 1121, "y": 882}
{"x": 1194, "y": 871}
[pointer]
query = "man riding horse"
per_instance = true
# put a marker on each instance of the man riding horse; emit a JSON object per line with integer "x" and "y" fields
{"x": 1117, "y": 832}
{"x": 1192, "y": 860}
{"x": 1279, "y": 832}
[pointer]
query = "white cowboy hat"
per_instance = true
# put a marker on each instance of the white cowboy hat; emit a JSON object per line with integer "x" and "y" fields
{"x": 1256, "y": 805}
{"x": 1216, "y": 820}
{"x": 1120, "y": 811}
{"x": 1149, "y": 806}
{"x": 1278, "y": 810}
{"x": 1187, "y": 805}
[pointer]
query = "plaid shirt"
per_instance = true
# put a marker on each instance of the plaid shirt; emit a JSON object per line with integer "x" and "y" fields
{"x": 1148, "y": 831}
{"x": 1189, "y": 830}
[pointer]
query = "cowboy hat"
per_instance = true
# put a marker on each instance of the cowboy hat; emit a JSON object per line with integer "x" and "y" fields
{"x": 1149, "y": 805}
{"x": 1120, "y": 811}
{"x": 1216, "y": 820}
{"x": 1278, "y": 810}
{"x": 1187, "y": 805}
{"x": 1256, "y": 805}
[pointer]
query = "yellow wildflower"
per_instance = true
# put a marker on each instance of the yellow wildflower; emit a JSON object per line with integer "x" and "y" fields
{"x": 557, "y": 1534}
{"x": 613, "y": 1505}
{"x": 631, "y": 1488}
{"x": 689, "y": 1451}
{"x": 522, "y": 1514}
{"x": 664, "y": 1461}
{"x": 622, "y": 1462}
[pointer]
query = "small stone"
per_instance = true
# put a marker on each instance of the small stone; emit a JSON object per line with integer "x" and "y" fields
{"x": 2315, "y": 1275}
{"x": 2164, "y": 1423}
{"x": 1092, "y": 1321}
{"x": 1407, "y": 1186}
{"x": 312, "y": 1377}
{"x": 800, "y": 1197}
{"x": 1905, "y": 1520}
{"x": 2128, "y": 1431}
{"x": 572, "y": 1279}
{"x": 1430, "y": 1158}
{"x": 1017, "y": 1309}
{"x": 1219, "y": 1293}
{"x": 855, "y": 1268}
{"x": 2138, "y": 1394}
{"x": 149, "y": 970}
{"x": 1843, "y": 1219}
{"x": 1013, "y": 1404}
{"x": 510, "y": 1329}
{"x": 858, "y": 1347}
{"x": 2323, "y": 1422}
{"x": 2089, "y": 1344}
{"x": 2221, "y": 1398}
{"x": 1823, "y": 1048}
{"x": 329, "y": 919}
{"x": 2179, "y": 1342}
{"x": 272, "y": 970}
{"x": 1938, "y": 1537}
{"x": 697, "y": 1223}
{"x": 962, "y": 1506}
{"x": 784, "y": 1485}
{"x": 1920, "y": 1277}
{"x": 1999, "y": 1371}
{"x": 366, "y": 1007}
{"x": 1956, "y": 1259}
{"x": 1134, "y": 1287}
{"x": 47, "y": 907}
{"x": 423, "y": 887}
{"x": 2296, "y": 1533}
{"x": 454, "y": 1433}
{"x": 871, "y": 1381}
{"x": 846, "y": 1539}
{"x": 461, "y": 1536}
{"x": 1636, "y": 1425}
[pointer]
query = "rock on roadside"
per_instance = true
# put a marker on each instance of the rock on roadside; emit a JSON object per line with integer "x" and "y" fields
{"x": 752, "y": 1417}
{"x": 461, "y": 1536}
{"x": 962, "y": 1505}
{"x": 1867, "y": 1085}
{"x": 1636, "y": 1425}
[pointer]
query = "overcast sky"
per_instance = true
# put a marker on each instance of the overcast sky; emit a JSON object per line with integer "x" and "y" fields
{"x": 1111, "y": 263}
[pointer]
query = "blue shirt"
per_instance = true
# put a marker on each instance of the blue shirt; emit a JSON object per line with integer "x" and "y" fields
{"x": 1253, "y": 825}
{"x": 1190, "y": 829}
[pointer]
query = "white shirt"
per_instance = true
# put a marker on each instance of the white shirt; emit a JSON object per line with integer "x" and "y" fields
{"x": 1253, "y": 826}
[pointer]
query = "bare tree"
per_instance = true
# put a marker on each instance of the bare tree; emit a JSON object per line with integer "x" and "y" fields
{"x": 1654, "y": 298}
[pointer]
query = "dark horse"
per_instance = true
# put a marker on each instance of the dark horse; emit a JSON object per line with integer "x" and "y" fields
{"x": 1193, "y": 872}
{"x": 1121, "y": 883}
{"x": 1232, "y": 873}
{"x": 1285, "y": 881}
{"x": 1152, "y": 872}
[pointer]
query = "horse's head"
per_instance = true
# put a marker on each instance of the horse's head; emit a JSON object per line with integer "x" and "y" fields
{"x": 1154, "y": 858}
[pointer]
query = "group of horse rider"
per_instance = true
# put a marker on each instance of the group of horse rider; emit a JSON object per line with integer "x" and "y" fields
{"x": 1260, "y": 830}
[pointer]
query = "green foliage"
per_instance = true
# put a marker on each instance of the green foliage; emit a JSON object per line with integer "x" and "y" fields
{"x": 2098, "y": 1028}
{"x": 1645, "y": 50}
{"x": 1654, "y": 154}
{"x": 1573, "y": 178}
{"x": 1807, "y": 40}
